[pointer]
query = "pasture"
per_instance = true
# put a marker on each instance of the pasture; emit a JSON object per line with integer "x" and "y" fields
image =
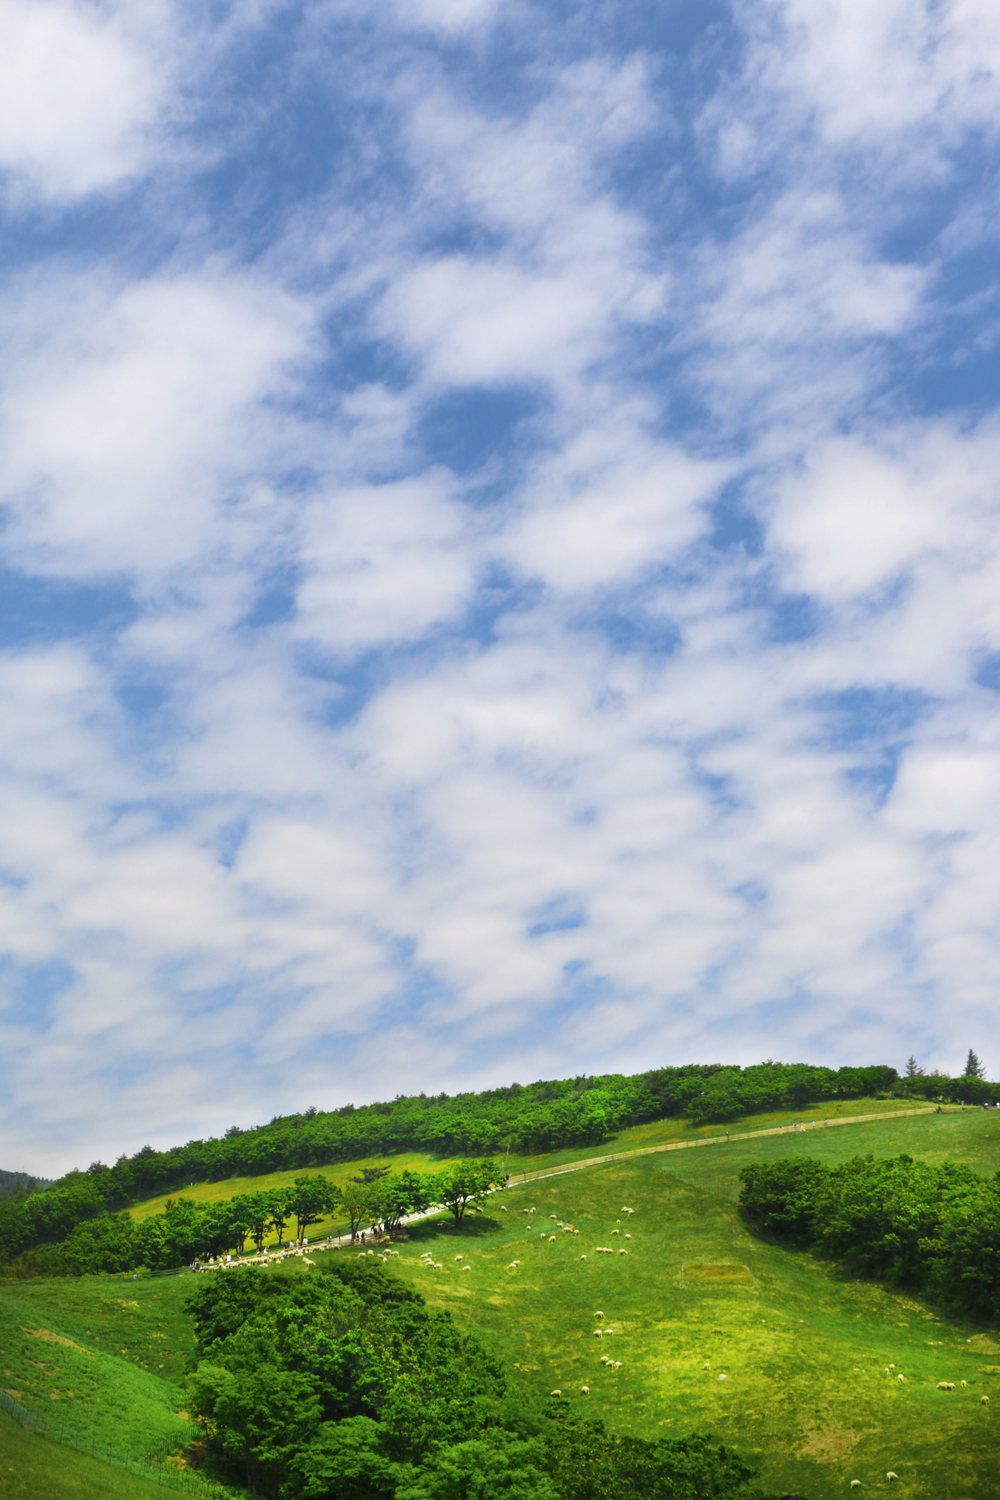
{"x": 802, "y": 1348}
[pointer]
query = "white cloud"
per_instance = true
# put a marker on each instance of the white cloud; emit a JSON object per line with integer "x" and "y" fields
{"x": 79, "y": 94}
{"x": 130, "y": 417}
{"x": 534, "y": 844}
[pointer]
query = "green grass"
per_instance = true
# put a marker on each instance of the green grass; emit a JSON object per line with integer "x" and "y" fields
{"x": 803, "y": 1347}
{"x": 101, "y": 1355}
{"x": 32, "y": 1466}
{"x": 788, "y": 1331}
{"x": 659, "y": 1132}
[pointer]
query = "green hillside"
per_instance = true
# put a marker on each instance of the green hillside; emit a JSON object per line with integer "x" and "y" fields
{"x": 803, "y": 1349}
{"x": 803, "y": 1346}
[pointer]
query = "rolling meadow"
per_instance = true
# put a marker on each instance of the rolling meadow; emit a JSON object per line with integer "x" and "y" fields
{"x": 707, "y": 1327}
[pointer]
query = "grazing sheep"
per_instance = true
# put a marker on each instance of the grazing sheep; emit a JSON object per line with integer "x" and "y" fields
{"x": 605, "y": 1360}
{"x": 466, "y": 1268}
{"x": 946, "y": 1385}
{"x": 598, "y": 1314}
{"x": 598, "y": 1333}
{"x": 964, "y": 1384}
{"x": 984, "y": 1400}
{"x": 552, "y": 1216}
{"x": 459, "y": 1257}
{"x": 706, "y": 1365}
{"x": 855, "y": 1484}
{"x": 623, "y": 1252}
{"x": 617, "y": 1365}
{"x": 551, "y": 1238}
{"x": 585, "y": 1390}
{"x": 609, "y": 1330}
{"x": 628, "y": 1236}
{"x": 722, "y": 1377}
{"x": 886, "y": 1371}
{"x": 583, "y": 1257}
{"x": 503, "y": 1208}
{"x": 892, "y": 1367}
{"x": 555, "y": 1393}
{"x": 900, "y": 1379}
{"x": 616, "y": 1231}
{"x": 890, "y": 1476}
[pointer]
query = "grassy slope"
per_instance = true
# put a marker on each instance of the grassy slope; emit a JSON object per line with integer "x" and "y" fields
{"x": 789, "y": 1344}
{"x": 31, "y": 1466}
{"x": 103, "y": 1355}
{"x": 803, "y": 1350}
{"x": 659, "y": 1132}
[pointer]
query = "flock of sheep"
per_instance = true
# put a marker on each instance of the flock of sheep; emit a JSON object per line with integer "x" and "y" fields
{"x": 604, "y": 1330}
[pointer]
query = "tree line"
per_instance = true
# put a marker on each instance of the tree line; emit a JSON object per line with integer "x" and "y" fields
{"x": 101, "y": 1241}
{"x": 543, "y": 1116}
{"x": 932, "y": 1229}
{"x": 341, "y": 1385}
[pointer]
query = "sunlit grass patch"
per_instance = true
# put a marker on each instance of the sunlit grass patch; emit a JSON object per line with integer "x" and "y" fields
{"x": 773, "y": 1351}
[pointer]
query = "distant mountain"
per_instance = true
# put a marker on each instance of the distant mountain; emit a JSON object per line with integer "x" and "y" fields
{"x": 11, "y": 1180}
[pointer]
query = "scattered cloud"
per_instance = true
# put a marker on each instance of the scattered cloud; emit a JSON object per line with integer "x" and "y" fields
{"x": 517, "y": 559}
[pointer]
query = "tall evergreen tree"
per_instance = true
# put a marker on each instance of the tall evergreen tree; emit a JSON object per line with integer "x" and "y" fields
{"x": 973, "y": 1067}
{"x": 913, "y": 1068}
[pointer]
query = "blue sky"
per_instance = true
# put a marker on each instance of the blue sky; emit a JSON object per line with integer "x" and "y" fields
{"x": 501, "y": 565}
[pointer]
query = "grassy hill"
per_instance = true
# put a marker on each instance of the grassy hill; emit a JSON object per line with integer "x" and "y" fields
{"x": 803, "y": 1348}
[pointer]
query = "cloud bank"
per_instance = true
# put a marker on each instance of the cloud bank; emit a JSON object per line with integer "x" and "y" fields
{"x": 500, "y": 526}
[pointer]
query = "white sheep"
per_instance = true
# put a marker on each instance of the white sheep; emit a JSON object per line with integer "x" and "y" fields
{"x": 597, "y": 1333}
{"x": 466, "y": 1268}
{"x": 583, "y": 1257}
{"x": 459, "y": 1257}
{"x": 551, "y": 1238}
{"x": 900, "y": 1379}
{"x": 598, "y": 1314}
{"x": 552, "y": 1216}
{"x": 623, "y": 1252}
{"x": 946, "y": 1385}
{"x": 892, "y": 1367}
{"x": 555, "y": 1393}
{"x": 585, "y": 1390}
{"x": 984, "y": 1400}
{"x": 964, "y": 1384}
{"x": 609, "y": 1330}
{"x": 706, "y": 1365}
{"x": 890, "y": 1476}
{"x": 886, "y": 1371}
{"x": 616, "y": 1231}
{"x": 855, "y": 1484}
{"x": 628, "y": 1236}
{"x": 722, "y": 1377}
{"x": 605, "y": 1360}
{"x": 617, "y": 1365}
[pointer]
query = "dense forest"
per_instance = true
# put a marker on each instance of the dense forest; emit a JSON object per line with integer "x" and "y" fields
{"x": 538, "y": 1117}
{"x": 932, "y": 1229}
{"x": 342, "y": 1386}
{"x": 13, "y": 1182}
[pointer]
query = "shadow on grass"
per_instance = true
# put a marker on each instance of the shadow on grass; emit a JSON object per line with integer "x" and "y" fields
{"x": 476, "y": 1228}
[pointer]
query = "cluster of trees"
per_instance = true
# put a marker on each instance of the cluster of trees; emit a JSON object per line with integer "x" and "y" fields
{"x": 22, "y": 1182}
{"x": 82, "y": 1237}
{"x": 544, "y": 1116}
{"x": 342, "y": 1384}
{"x": 970, "y": 1087}
{"x": 187, "y": 1230}
{"x": 934, "y": 1229}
